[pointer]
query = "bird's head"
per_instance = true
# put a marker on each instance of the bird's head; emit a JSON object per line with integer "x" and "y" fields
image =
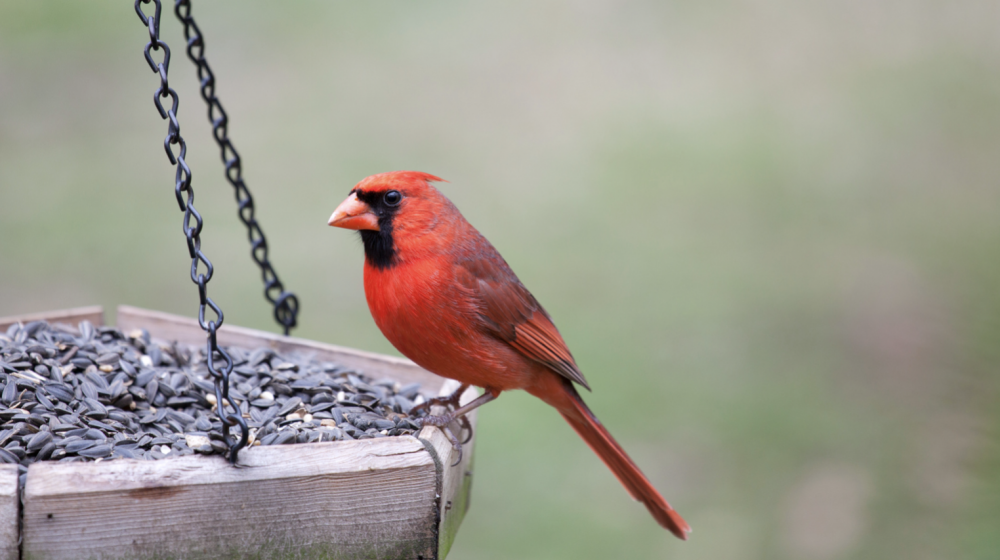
{"x": 390, "y": 208}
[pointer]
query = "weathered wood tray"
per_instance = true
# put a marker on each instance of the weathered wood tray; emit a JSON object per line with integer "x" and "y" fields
{"x": 397, "y": 497}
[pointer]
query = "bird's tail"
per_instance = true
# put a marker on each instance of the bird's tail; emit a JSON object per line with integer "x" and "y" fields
{"x": 575, "y": 411}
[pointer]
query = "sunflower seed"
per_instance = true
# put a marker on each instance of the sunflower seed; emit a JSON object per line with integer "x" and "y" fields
{"x": 88, "y": 389}
{"x": 290, "y": 405}
{"x": 39, "y": 440}
{"x": 93, "y": 434}
{"x": 79, "y": 445}
{"x": 96, "y": 451}
{"x": 76, "y": 394}
{"x": 46, "y": 451}
{"x": 9, "y": 392}
{"x": 127, "y": 367}
{"x": 144, "y": 377}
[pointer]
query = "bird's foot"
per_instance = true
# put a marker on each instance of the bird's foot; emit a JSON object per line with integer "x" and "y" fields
{"x": 443, "y": 422}
{"x": 451, "y": 403}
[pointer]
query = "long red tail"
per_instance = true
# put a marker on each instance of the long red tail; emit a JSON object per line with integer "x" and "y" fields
{"x": 573, "y": 409}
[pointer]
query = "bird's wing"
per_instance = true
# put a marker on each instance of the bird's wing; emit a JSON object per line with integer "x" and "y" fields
{"x": 512, "y": 314}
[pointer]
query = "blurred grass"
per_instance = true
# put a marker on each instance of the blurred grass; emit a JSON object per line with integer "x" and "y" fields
{"x": 769, "y": 231}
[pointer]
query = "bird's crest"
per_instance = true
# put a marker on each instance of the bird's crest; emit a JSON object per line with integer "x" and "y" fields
{"x": 397, "y": 180}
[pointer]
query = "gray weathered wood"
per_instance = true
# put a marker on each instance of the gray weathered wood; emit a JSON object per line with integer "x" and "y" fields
{"x": 377, "y": 498}
{"x": 9, "y": 507}
{"x": 356, "y": 499}
{"x": 94, "y": 314}
{"x": 456, "y": 481}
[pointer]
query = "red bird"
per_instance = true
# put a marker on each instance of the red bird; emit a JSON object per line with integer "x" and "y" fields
{"x": 446, "y": 299}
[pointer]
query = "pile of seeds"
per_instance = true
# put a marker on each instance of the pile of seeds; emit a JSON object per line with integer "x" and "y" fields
{"x": 86, "y": 393}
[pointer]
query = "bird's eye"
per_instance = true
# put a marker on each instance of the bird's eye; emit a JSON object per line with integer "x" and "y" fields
{"x": 392, "y": 198}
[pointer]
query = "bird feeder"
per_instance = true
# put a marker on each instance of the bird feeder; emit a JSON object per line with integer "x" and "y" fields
{"x": 391, "y": 497}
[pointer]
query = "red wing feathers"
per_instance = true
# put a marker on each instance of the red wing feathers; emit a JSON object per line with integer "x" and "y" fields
{"x": 538, "y": 339}
{"x": 512, "y": 314}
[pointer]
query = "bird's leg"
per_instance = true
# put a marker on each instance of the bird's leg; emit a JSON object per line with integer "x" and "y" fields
{"x": 451, "y": 401}
{"x": 444, "y": 420}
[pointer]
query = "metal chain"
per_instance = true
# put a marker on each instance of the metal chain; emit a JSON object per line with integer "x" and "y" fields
{"x": 286, "y": 304}
{"x": 192, "y": 231}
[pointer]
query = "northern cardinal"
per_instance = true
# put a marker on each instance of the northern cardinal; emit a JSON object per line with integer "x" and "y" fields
{"x": 446, "y": 299}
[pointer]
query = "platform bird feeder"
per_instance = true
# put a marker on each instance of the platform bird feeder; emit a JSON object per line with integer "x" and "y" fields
{"x": 389, "y": 497}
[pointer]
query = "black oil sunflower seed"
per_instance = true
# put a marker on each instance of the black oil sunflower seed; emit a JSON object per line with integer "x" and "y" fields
{"x": 134, "y": 397}
{"x": 289, "y": 406}
{"x": 96, "y": 451}
{"x": 38, "y": 441}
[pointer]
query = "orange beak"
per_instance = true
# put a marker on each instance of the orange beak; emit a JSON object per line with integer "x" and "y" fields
{"x": 354, "y": 214}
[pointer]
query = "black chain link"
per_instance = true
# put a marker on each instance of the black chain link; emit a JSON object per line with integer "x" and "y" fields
{"x": 286, "y": 304}
{"x": 192, "y": 231}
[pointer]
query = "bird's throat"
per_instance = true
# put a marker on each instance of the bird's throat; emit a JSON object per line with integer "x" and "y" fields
{"x": 380, "y": 251}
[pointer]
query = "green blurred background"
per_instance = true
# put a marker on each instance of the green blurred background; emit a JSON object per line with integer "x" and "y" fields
{"x": 769, "y": 231}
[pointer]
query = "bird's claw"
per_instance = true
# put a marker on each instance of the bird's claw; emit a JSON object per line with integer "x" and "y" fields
{"x": 443, "y": 422}
{"x": 466, "y": 428}
{"x": 451, "y": 403}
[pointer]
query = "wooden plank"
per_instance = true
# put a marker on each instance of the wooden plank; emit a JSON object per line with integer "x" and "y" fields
{"x": 365, "y": 498}
{"x": 185, "y": 329}
{"x": 9, "y": 512}
{"x": 456, "y": 481}
{"x": 94, "y": 314}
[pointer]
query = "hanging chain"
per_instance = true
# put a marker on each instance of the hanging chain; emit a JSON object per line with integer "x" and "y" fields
{"x": 192, "y": 225}
{"x": 286, "y": 304}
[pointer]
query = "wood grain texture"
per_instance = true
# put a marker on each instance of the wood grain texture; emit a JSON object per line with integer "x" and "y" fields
{"x": 185, "y": 329}
{"x": 94, "y": 314}
{"x": 337, "y": 500}
{"x": 9, "y": 512}
{"x": 456, "y": 481}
